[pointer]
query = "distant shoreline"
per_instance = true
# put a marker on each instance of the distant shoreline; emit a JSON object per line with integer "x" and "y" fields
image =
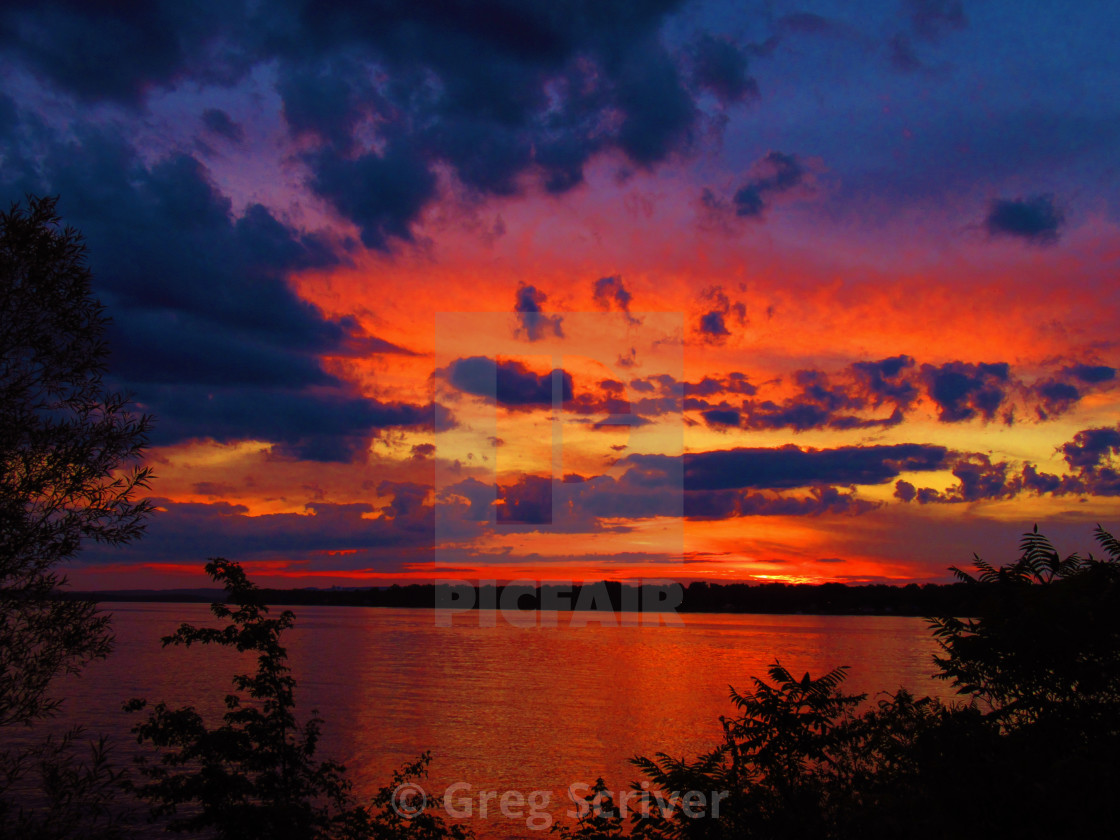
{"x": 765, "y": 598}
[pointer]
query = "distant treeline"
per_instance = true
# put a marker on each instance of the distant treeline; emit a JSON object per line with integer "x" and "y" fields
{"x": 825, "y": 599}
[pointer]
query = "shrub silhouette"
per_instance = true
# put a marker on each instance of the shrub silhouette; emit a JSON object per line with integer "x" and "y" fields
{"x": 1032, "y": 753}
{"x": 68, "y": 447}
{"x": 65, "y": 443}
{"x": 598, "y": 817}
{"x": 256, "y": 775}
{"x": 1047, "y": 644}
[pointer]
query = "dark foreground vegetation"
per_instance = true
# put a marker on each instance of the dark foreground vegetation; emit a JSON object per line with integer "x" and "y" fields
{"x": 1029, "y": 751}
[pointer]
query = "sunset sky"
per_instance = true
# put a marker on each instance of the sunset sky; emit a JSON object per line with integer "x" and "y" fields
{"x": 508, "y": 289}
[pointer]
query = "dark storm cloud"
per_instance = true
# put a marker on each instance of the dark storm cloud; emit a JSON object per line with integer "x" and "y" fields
{"x": 1090, "y": 455}
{"x": 1036, "y": 220}
{"x": 720, "y": 67}
{"x": 500, "y": 93}
{"x": 798, "y": 416}
{"x": 535, "y": 325}
{"x": 597, "y": 502}
{"x": 382, "y": 194}
{"x": 527, "y": 502}
{"x": 636, "y": 403}
{"x": 712, "y": 326}
{"x": 206, "y": 331}
{"x": 886, "y": 381}
{"x": 147, "y": 351}
{"x": 721, "y": 417}
{"x": 609, "y": 423}
{"x": 774, "y": 174}
{"x": 219, "y": 122}
{"x": 659, "y": 112}
{"x": 106, "y": 50}
{"x": 904, "y": 490}
{"x": 611, "y": 293}
{"x": 962, "y": 390}
{"x": 408, "y": 510}
{"x": 1091, "y": 446}
{"x": 328, "y": 425}
{"x": 855, "y": 397}
{"x": 733, "y": 383}
{"x": 816, "y": 404}
{"x": 604, "y": 400}
{"x": 978, "y": 479}
{"x": 1058, "y": 485}
{"x": 821, "y": 401}
{"x": 723, "y": 504}
{"x": 420, "y": 451}
{"x": 703, "y": 486}
{"x": 1091, "y": 374}
{"x": 1060, "y": 392}
{"x": 172, "y": 243}
{"x": 185, "y": 532}
{"x": 324, "y": 101}
{"x": 515, "y": 386}
{"x": 1055, "y": 397}
{"x": 626, "y": 497}
{"x": 580, "y": 504}
{"x": 790, "y": 466}
{"x": 509, "y": 383}
{"x": 981, "y": 479}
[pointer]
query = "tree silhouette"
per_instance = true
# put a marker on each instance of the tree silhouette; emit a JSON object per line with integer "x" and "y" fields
{"x": 775, "y": 763}
{"x": 68, "y": 474}
{"x": 1046, "y": 644}
{"x": 597, "y": 817}
{"x": 66, "y": 443}
{"x": 1030, "y": 751}
{"x": 256, "y": 774}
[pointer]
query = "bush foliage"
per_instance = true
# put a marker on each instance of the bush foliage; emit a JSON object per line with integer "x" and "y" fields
{"x": 255, "y": 776}
{"x": 1028, "y": 752}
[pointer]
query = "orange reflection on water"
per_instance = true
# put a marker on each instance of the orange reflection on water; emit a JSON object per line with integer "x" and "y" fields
{"x": 507, "y": 707}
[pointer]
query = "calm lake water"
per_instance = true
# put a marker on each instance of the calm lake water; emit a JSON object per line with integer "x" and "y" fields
{"x": 504, "y": 707}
